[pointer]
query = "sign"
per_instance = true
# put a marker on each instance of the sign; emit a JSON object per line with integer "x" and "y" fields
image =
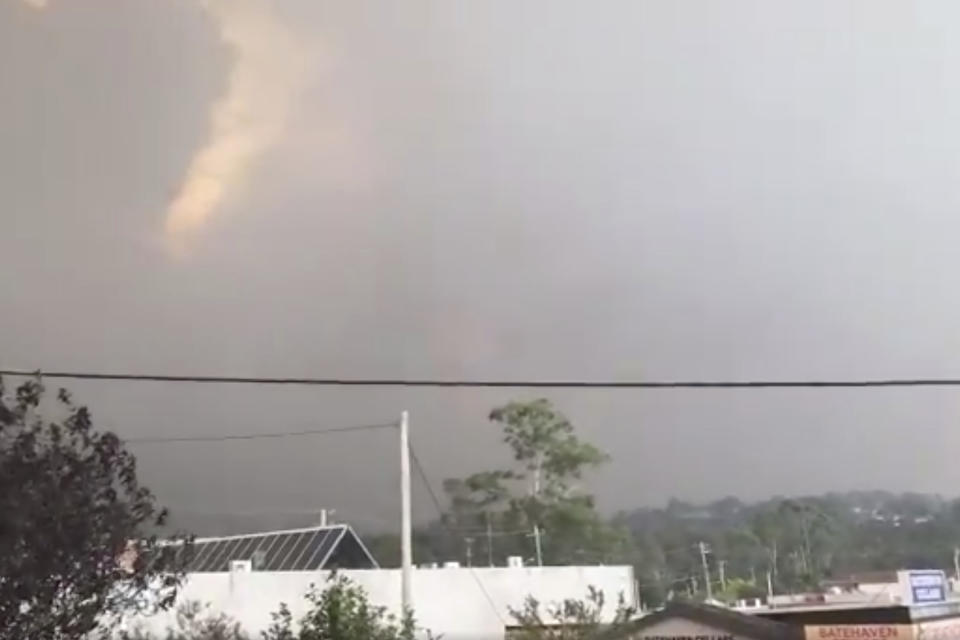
{"x": 927, "y": 586}
{"x": 938, "y": 630}
{"x": 935, "y": 630}
{"x": 859, "y": 632}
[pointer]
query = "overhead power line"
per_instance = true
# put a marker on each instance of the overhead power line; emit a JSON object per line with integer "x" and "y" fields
{"x": 492, "y": 383}
{"x": 453, "y": 534}
{"x": 259, "y": 436}
{"x": 429, "y": 486}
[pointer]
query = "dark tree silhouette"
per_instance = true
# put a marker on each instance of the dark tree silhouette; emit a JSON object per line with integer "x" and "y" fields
{"x": 78, "y": 543}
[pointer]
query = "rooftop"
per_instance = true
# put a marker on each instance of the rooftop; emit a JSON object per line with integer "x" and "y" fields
{"x": 309, "y": 549}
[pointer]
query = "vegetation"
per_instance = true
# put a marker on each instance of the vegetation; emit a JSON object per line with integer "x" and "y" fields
{"x": 570, "y": 620}
{"x": 798, "y": 541}
{"x": 537, "y": 497}
{"x": 77, "y": 546}
{"x": 195, "y": 621}
{"x": 339, "y": 611}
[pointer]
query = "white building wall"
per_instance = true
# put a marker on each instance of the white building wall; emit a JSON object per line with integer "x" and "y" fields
{"x": 446, "y": 601}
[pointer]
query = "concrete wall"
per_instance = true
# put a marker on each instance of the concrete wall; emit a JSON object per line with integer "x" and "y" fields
{"x": 446, "y": 601}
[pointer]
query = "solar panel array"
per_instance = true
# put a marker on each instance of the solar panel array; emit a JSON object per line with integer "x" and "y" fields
{"x": 299, "y": 550}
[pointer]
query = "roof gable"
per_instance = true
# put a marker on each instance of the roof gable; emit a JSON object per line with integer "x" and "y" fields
{"x": 690, "y": 621}
{"x": 307, "y": 549}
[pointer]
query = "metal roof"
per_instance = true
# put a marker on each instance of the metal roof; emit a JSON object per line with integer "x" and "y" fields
{"x": 307, "y": 549}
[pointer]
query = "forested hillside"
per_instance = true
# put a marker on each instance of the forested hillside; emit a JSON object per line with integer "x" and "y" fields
{"x": 800, "y": 541}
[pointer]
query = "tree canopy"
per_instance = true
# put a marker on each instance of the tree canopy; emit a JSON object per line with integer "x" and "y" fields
{"x": 537, "y": 494}
{"x": 78, "y": 543}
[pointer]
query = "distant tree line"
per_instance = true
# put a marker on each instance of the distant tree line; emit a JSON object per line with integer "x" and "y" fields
{"x": 798, "y": 541}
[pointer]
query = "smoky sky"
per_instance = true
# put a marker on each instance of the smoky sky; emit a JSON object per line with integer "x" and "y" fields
{"x": 629, "y": 189}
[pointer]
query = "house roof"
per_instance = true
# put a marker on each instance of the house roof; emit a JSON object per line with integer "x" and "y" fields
{"x": 733, "y": 622}
{"x": 309, "y": 549}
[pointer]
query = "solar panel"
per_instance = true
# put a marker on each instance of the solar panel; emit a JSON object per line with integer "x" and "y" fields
{"x": 219, "y": 558}
{"x": 279, "y": 553}
{"x": 303, "y": 562}
{"x": 232, "y": 553}
{"x": 216, "y": 548}
{"x": 267, "y": 546}
{"x": 245, "y": 550}
{"x": 296, "y": 550}
{"x": 321, "y": 551}
{"x": 200, "y": 550}
{"x": 290, "y": 563}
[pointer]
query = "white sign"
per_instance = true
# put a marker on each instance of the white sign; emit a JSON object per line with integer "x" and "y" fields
{"x": 926, "y": 586}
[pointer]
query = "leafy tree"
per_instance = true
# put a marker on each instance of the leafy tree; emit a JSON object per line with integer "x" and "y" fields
{"x": 811, "y": 521}
{"x": 195, "y": 621}
{"x": 341, "y": 611}
{"x": 739, "y": 589}
{"x": 766, "y": 529}
{"x": 432, "y": 542}
{"x": 77, "y": 547}
{"x": 472, "y": 498}
{"x": 550, "y": 456}
{"x": 539, "y": 493}
{"x": 570, "y": 620}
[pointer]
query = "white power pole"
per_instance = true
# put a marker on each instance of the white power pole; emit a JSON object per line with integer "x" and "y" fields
{"x": 489, "y": 540}
{"x": 704, "y": 550}
{"x": 722, "y": 567}
{"x": 406, "y": 532}
{"x": 536, "y": 542}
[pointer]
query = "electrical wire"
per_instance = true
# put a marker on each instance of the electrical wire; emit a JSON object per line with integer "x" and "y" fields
{"x": 258, "y": 436}
{"x": 492, "y": 383}
{"x": 450, "y": 530}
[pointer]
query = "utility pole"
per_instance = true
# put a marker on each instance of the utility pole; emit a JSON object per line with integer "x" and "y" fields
{"x": 722, "y": 566}
{"x": 704, "y": 550}
{"x": 469, "y": 543}
{"x": 489, "y": 540}
{"x": 536, "y": 495}
{"x": 536, "y": 542}
{"x": 769, "y": 587}
{"x": 956, "y": 563}
{"x": 406, "y": 527}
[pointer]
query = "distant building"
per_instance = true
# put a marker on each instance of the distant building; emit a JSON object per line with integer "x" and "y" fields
{"x": 894, "y": 605}
{"x": 879, "y": 588}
